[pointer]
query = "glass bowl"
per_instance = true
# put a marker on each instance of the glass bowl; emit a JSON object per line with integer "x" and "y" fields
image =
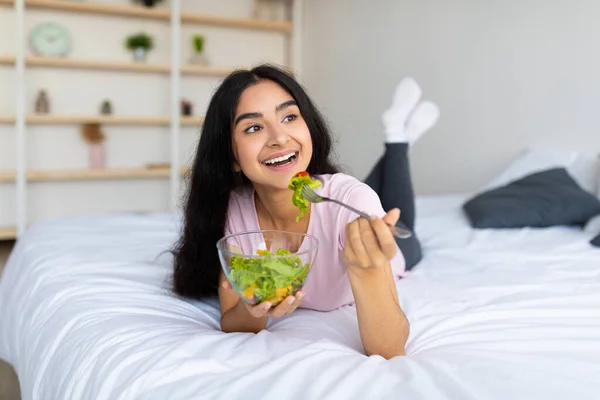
{"x": 267, "y": 265}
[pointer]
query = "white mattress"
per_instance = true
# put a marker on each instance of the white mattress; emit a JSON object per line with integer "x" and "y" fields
{"x": 86, "y": 313}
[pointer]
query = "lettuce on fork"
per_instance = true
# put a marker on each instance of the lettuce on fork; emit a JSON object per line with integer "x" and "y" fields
{"x": 268, "y": 278}
{"x": 296, "y": 184}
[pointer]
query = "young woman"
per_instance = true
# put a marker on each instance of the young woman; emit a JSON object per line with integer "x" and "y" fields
{"x": 261, "y": 128}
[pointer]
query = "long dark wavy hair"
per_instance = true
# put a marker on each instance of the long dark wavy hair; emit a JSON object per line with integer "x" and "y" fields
{"x": 212, "y": 178}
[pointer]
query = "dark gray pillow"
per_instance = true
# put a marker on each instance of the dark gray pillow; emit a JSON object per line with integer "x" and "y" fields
{"x": 542, "y": 199}
{"x": 595, "y": 241}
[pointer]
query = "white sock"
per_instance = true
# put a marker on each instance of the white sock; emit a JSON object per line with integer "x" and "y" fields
{"x": 406, "y": 97}
{"x": 423, "y": 118}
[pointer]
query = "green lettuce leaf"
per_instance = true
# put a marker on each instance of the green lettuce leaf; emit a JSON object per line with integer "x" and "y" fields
{"x": 296, "y": 184}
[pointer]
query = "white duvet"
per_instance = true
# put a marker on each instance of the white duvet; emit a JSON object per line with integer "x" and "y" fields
{"x": 86, "y": 313}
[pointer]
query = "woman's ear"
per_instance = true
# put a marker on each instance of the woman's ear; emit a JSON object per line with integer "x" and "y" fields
{"x": 236, "y": 167}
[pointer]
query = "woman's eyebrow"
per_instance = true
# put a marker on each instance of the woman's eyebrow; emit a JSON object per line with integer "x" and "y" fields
{"x": 251, "y": 115}
{"x": 286, "y": 104}
{"x": 247, "y": 116}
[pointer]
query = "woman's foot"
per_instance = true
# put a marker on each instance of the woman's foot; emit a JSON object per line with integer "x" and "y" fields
{"x": 406, "y": 97}
{"x": 422, "y": 119}
{"x": 407, "y": 119}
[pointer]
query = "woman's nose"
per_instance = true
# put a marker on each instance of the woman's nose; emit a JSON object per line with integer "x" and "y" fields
{"x": 277, "y": 137}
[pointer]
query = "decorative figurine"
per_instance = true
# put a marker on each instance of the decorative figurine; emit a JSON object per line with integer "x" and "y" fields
{"x": 42, "y": 103}
{"x": 186, "y": 107}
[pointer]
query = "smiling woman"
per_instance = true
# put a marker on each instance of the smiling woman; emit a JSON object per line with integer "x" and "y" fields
{"x": 233, "y": 133}
{"x": 261, "y": 129}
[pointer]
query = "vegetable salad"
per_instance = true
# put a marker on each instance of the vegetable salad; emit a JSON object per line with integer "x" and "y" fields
{"x": 268, "y": 278}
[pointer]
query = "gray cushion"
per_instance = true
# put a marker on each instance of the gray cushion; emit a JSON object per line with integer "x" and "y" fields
{"x": 542, "y": 199}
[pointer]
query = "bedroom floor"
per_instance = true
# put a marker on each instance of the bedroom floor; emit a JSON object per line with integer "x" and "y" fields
{"x": 9, "y": 385}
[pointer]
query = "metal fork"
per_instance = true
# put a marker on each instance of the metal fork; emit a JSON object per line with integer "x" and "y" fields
{"x": 313, "y": 197}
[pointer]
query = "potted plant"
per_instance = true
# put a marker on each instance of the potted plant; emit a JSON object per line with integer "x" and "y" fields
{"x": 106, "y": 107}
{"x": 140, "y": 44}
{"x": 148, "y": 3}
{"x": 198, "y": 55}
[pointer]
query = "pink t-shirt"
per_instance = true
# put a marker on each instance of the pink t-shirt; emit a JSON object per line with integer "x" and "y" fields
{"x": 327, "y": 286}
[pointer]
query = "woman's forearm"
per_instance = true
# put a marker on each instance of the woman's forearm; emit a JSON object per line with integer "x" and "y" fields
{"x": 238, "y": 319}
{"x": 383, "y": 325}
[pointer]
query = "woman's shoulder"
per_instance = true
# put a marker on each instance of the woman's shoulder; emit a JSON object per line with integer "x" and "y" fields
{"x": 240, "y": 212}
{"x": 240, "y": 199}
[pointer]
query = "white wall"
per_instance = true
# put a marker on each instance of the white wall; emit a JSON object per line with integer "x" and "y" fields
{"x": 506, "y": 75}
{"x": 81, "y": 92}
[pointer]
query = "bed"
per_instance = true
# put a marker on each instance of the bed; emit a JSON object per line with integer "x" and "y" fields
{"x": 86, "y": 313}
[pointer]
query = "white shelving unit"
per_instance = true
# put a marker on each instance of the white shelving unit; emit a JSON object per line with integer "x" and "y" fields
{"x": 176, "y": 18}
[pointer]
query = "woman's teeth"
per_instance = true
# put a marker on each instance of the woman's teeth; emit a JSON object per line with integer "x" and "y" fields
{"x": 281, "y": 160}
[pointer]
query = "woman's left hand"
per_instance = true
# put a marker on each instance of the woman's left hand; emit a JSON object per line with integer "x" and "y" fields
{"x": 370, "y": 244}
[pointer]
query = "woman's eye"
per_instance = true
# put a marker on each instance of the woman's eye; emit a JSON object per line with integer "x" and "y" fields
{"x": 252, "y": 129}
{"x": 290, "y": 118}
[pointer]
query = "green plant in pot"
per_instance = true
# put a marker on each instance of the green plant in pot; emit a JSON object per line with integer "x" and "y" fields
{"x": 140, "y": 44}
{"x": 106, "y": 107}
{"x": 198, "y": 55}
{"x": 148, "y": 3}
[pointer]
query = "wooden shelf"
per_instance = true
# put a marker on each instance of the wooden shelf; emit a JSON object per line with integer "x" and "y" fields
{"x": 8, "y": 233}
{"x": 90, "y": 174}
{"x": 91, "y": 7}
{"x": 8, "y": 60}
{"x": 108, "y": 65}
{"x": 154, "y": 13}
{"x": 207, "y": 71}
{"x": 124, "y": 66}
{"x": 108, "y": 120}
{"x": 52, "y": 119}
{"x": 96, "y": 8}
{"x": 244, "y": 23}
{"x": 7, "y": 119}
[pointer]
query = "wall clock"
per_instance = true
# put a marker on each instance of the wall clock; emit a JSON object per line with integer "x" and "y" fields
{"x": 50, "y": 39}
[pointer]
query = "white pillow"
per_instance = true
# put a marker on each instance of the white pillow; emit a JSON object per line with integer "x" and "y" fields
{"x": 598, "y": 183}
{"x": 583, "y": 167}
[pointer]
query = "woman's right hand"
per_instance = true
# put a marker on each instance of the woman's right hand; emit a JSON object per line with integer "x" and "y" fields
{"x": 265, "y": 309}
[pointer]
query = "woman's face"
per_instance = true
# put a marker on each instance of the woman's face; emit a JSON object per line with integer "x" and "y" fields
{"x": 271, "y": 141}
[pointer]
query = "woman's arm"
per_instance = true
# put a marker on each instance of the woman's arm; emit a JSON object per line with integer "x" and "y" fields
{"x": 370, "y": 246}
{"x": 235, "y": 316}
{"x": 382, "y": 324}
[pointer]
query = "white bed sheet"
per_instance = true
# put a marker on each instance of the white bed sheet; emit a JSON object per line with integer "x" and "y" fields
{"x": 86, "y": 313}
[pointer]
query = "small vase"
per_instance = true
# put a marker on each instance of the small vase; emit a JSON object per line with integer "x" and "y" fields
{"x": 139, "y": 54}
{"x": 199, "y": 59}
{"x": 97, "y": 156}
{"x": 269, "y": 10}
